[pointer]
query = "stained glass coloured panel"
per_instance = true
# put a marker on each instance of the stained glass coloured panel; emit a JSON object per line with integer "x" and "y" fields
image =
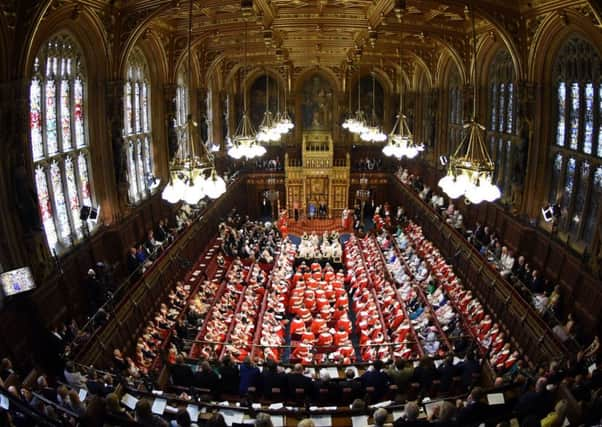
{"x": 84, "y": 179}
{"x": 52, "y": 146}
{"x": 73, "y": 195}
{"x": 45, "y": 205}
{"x": 65, "y": 115}
{"x": 61, "y": 215}
{"x": 561, "y": 126}
{"x": 35, "y": 119}
{"x": 575, "y": 105}
{"x": 78, "y": 112}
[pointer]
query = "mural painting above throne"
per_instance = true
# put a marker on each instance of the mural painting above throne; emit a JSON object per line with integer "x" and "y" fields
{"x": 317, "y": 103}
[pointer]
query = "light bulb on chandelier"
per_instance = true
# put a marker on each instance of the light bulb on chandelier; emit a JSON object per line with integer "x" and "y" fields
{"x": 470, "y": 169}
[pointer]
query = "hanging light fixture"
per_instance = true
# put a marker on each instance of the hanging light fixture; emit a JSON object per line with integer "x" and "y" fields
{"x": 470, "y": 168}
{"x": 372, "y": 132}
{"x": 358, "y": 124}
{"x": 401, "y": 141}
{"x": 350, "y": 120}
{"x": 244, "y": 142}
{"x": 187, "y": 180}
{"x": 268, "y": 128}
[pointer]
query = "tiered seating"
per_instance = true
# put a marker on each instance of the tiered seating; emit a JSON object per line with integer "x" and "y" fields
{"x": 492, "y": 341}
{"x": 392, "y": 311}
{"x": 427, "y": 306}
{"x": 321, "y": 326}
{"x": 217, "y": 322}
{"x": 271, "y": 333}
{"x": 156, "y": 336}
{"x": 242, "y": 330}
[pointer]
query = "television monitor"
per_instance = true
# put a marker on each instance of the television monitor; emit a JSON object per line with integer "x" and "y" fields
{"x": 17, "y": 281}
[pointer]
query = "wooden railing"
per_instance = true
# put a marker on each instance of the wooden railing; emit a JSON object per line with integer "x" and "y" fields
{"x": 528, "y": 330}
{"x": 129, "y": 318}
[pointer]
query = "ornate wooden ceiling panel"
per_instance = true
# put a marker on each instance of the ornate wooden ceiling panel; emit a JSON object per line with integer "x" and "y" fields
{"x": 306, "y": 32}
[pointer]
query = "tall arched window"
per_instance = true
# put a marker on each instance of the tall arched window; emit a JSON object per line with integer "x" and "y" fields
{"x": 456, "y": 109}
{"x": 182, "y": 108}
{"x": 59, "y": 140}
{"x": 137, "y": 128}
{"x": 502, "y": 128}
{"x": 576, "y": 153}
{"x": 428, "y": 116}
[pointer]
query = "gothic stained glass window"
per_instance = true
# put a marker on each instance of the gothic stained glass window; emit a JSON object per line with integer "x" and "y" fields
{"x": 577, "y": 138}
{"x": 57, "y": 131}
{"x": 561, "y": 114}
{"x": 65, "y": 115}
{"x": 45, "y": 205}
{"x": 455, "y": 105}
{"x": 137, "y": 127}
{"x": 78, "y": 112}
{"x": 82, "y": 168}
{"x": 574, "y": 117}
{"x": 60, "y": 207}
{"x": 73, "y": 195}
{"x": 502, "y": 119}
{"x": 35, "y": 119}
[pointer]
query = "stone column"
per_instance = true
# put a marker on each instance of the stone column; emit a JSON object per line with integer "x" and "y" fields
{"x": 23, "y": 240}
{"x": 169, "y": 98}
{"x": 115, "y": 119}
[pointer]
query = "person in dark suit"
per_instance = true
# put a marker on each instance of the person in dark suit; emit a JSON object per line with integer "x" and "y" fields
{"x": 229, "y": 375}
{"x": 424, "y": 374}
{"x": 353, "y": 383}
{"x": 132, "y": 261}
{"x": 207, "y": 378}
{"x": 537, "y": 402}
{"x": 271, "y": 378}
{"x": 296, "y": 380}
{"x": 474, "y": 410}
{"x": 469, "y": 367}
{"x": 181, "y": 373}
{"x": 447, "y": 371}
{"x": 375, "y": 377}
{"x": 97, "y": 386}
{"x": 249, "y": 376}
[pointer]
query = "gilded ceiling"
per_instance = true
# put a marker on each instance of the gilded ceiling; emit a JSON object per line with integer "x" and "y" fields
{"x": 329, "y": 33}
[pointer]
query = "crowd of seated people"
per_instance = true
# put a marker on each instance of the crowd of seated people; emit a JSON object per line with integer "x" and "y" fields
{"x": 245, "y": 320}
{"x": 269, "y": 164}
{"x": 320, "y": 329}
{"x": 149, "y": 345}
{"x": 543, "y": 295}
{"x": 142, "y": 254}
{"x": 536, "y": 403}
{"x": 244, "y": 284}
{"x": 272, "y": 336}
{"x": 426, "y": 302}
{"x": 249, "y": 239}
{"x": 368, "y": 164}
{"x": 380, "y": 319}
{"x": 493, "y": 342}
{"x": 314, "y": 247}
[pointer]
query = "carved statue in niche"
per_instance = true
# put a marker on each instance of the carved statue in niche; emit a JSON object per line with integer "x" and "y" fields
{"x": 366, "y": 98}
{"x": 225, "y": 114}
{"x": 317, "y": 103}
{"x": 520, "y": 152}
{"x": 26, "y": 202}
{"x": 257, "y": 99}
